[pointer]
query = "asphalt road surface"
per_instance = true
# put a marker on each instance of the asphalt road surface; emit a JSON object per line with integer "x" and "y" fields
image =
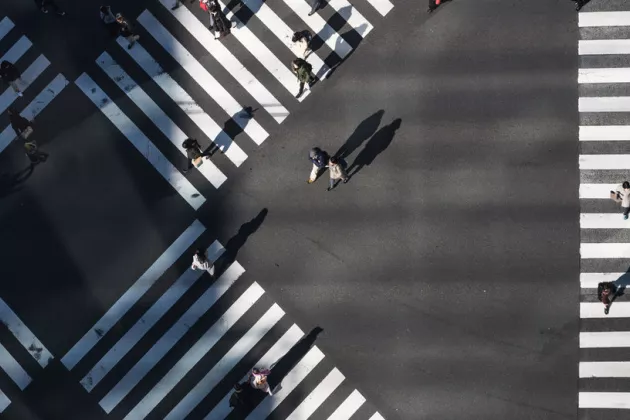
{"x": 439, "y": 282}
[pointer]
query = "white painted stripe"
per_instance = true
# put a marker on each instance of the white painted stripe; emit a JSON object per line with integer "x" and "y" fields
{"x": 604, "y": 104}
{"x": 604, "y": 132}
{"x": 596, "y": 191}
{"x": 610, "y": 75}
{"x": 604, "y": 369}
{"x": 204, "y": 79}
{"x": 350, "y": 406}
{"x": 586, "y": 19}
{"x": 603, "y": 221}
{"x": 140, "y": 141}
{"x": 227, "y": 363}
{"x": 156, "y": 115}
{"x": 596, "y": 310}
{"x": 28, "y": 77}
{"x": 24, "y": 335}
{"x": 377, "y": 416}
{"x": 604, "y": 162}
{"x": 147, "y": 321}
{"x": 196, "y": 352}
{"x": 610, "y": 400}
{"x": 4, "y": 401}
{"x": 13, "y": 369}
{"x": 604, "y": 46}
{"x": 277, "y": 27}
{"x": 590, "y": 340}
{"x": 605, "y": 250}
{"x": 289, "y": 383}
{"x": 133, "y": 294}
{"x": 35, "y": 107}
{"x": 187, "y": 104}
{"x": 319, "y": 26}
{"x": 317, "y": 396}
{"x": 275, "y": 353}
{"x": 591, "y": 280}
{"x": 382, "y": 6}
{"x": 5, "y": 27}
{"x": 171, "y": 337}
{"x": 17, "y": 50}
{"x": 229, "y": 62}
{"x": 352, "y": 16}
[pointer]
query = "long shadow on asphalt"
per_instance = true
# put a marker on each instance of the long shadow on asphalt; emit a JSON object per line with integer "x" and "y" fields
{"x": 375, "y": 146}
{"x": 9, "y": 183}
{"x": 237, "y": 241}
{"x": 363, "y": 132}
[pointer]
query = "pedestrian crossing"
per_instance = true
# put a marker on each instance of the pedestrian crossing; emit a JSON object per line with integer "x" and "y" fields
{"x": 179, "y": 355}
{"x": 604, "y": 140}
{"x": 39, "y": 84}
{"x": 233, "y": 92}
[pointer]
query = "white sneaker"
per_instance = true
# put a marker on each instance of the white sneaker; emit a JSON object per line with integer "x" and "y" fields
{"x": 19, "y": 94}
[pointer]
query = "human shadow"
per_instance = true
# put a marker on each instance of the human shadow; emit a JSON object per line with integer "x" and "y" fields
{"x": 375, "y": 146}
{"x": 282, "y": 367}
{"x": 360, "y": 134}
{"x": 620, "y": 286}
{"x": 237, "y": 241}
{"x": 9, "y": 183}
{"x": 231, "y": 129}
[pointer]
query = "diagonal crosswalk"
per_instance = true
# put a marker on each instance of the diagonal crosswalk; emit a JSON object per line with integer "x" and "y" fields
{"x": 180, "y": 356}
{"x": 604, "y": 140}
{"x": 232, "y": 92}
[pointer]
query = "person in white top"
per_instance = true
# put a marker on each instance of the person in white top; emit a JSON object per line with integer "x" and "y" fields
{"x": 258, "y": 380}
{"x": 201, "y": 262}
{"x": 622, "y": 196}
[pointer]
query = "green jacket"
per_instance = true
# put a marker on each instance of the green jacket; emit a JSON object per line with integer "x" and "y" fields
{"x": 303, "y": 72}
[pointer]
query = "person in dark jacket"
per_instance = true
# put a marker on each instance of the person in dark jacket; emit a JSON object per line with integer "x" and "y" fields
{"x": 433, "y": 4}
{"x": 219, "y": 23}
{"x": 20, "y": 125}
{"x": 11, "y": 75}
{"x": 109, "y": 20}
{"x": 126, "y": 30}
{"x": 302, "y": 70}
{"x": 33, "y": 154}
{"x": 46, "y": 5}
{"x": 193, "y": 152}
{"x": 606, "y": 294}
{"x": 319, "y": 159}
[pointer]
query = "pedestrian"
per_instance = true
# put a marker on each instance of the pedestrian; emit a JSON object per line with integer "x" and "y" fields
{"x": 606, "y": 293}
{"x": 126, "y": 30}
{"x": 10, "y": 74}
{"x": 109, "y": 20}
{"x": 179, "y": 3}
{"x": 201, "y": 262}
{"x": 316, "y": 5}
{"x": 33, "y": 154}
{"x": 433, "y": 4}
{"x": 194, "y": 154}
{"x": 46, "y": 5}
{"x": 337, "y": 172}
{"x": 622, "y": 195}
{"x": 302, "y": 70}
{"x": 302, "y": 41}
{"x": 320, "y": 159}
{"x": 258, "y": 380}
{"x": 238, "y": 400}
{"x": 219, "y": 23}
{"x": 22, "y": 126}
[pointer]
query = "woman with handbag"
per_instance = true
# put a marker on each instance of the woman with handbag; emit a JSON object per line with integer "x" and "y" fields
{"x": 21, "y": 126}
{"x": 258, "y": 380}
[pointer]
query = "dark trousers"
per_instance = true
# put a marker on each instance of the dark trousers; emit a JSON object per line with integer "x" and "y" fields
{"x": 190, "y": 161}
{"x": 626, "y": 210}
{"x": 311, "y": 80}
{"x": 316, "y": 5}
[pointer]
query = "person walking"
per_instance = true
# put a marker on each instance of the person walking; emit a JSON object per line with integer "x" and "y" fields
{"x": 34, "y": 154}
{"x": 302, "y": 70}
{"x": 337, "y": 172}
{"x": 22, "y": 126}
{"x": 201, "y": 262}
{"x": 109, "y": 20}
{"x": 194, "y": 154}
{"x": 319, "y": 159}
{"x": 433, "y": 4}
{"x": 219, "y": 23}
{"x": 10, "y": 74}
{"x": 606, "y": 293}
{"x": 238, "y": 400}
{"x": 622, "y": 195}
{"x": 258, "y": 380}
{"x": 46, "y": 5}
{"x": 302, "y": 41}
{"x": 126, "y": 30}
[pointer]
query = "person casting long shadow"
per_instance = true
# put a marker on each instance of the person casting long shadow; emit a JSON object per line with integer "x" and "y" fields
{"x": 237, "y": 241}
{"x": 282, "y": 367}
{"x": 377, "y": 144}
{"x": 363, "y": 132}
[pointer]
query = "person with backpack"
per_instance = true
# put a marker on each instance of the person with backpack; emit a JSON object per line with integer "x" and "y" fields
{"x": 258, "y": 380}
{"x": 622, "y": 196}
{"x": 219, "y": 23}
{"x": 337, "y": 171}
{"x": 320, "y": 160}
{"x": 10, "y": 74}
{"x": 194, "y": 154}
{"x": 126, "y": 30}
{"x": 606, "y": 293}
{"x": 302, "y": 70}
{"x": 201, "y": 262}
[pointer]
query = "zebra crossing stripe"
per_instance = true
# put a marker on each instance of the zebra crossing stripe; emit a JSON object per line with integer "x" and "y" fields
{"x": 604, "y": 162}
{"x": 230, "y": 63}
{"x": 604, "y": 132}
{"x": 5, "y": 27}
{"x": 611, "y": 339}
{"x": 40, "y": 102}
{"x": 352, "y": 16}
{"x": 591, "y": 280}
{"x": 590, "y": 19}
{"x": 317, "y": 396}
{"x": 187, "y": 104}
{"x": 196, "y": 352}
{"x": 377, "y": 416}
{"x": 289, "y": 383}
{"x": 277, "y": 27}
{"x": 4, "y": 401}
{"x": 382, "y": 6}
{"x": 133, "y": 294}
{"x": 320, "y": 27}
{"x": 347, "y": 408}
{"x": 227, "y": 363}
{"x": 604, "y": 75}
{"x": 604, "y": 104}
{"x": 596, "y": 310}
{"x": 275, "y": 353}
{"x": 13, "y": 369}
{"x": 140, "y": 141}
{"x": 171, "y": 337}
{"x": 607, "y": 400}
{"x": 24, "y": 335}
{"x": 147, "y": 321}
{"x": 603, "y": 46}
{"x": 605, "y": 250}
{"x": 603, "y": 221}
{"x": 208, "y": 83}
{"x": 30, "y": 74}
{"x": 604, "y": 369}
{"x": 17, "y": 50}
{"x": 156, "y": 115}
{"x": 597, "y": 191}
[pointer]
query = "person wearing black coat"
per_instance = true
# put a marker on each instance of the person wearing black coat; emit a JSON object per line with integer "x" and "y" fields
{"x": 219, "y": 23}
{"x": 46, "y": 5}
{"x": 11, "y": 75}
{"x": 319, "y": 159}
{"x": 193, "y": 152}
{"x": 126, "y": 30}
{"x": 19, "y": 123}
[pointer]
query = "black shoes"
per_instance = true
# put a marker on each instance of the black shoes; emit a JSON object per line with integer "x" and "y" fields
{"x": 606, "y": 310}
